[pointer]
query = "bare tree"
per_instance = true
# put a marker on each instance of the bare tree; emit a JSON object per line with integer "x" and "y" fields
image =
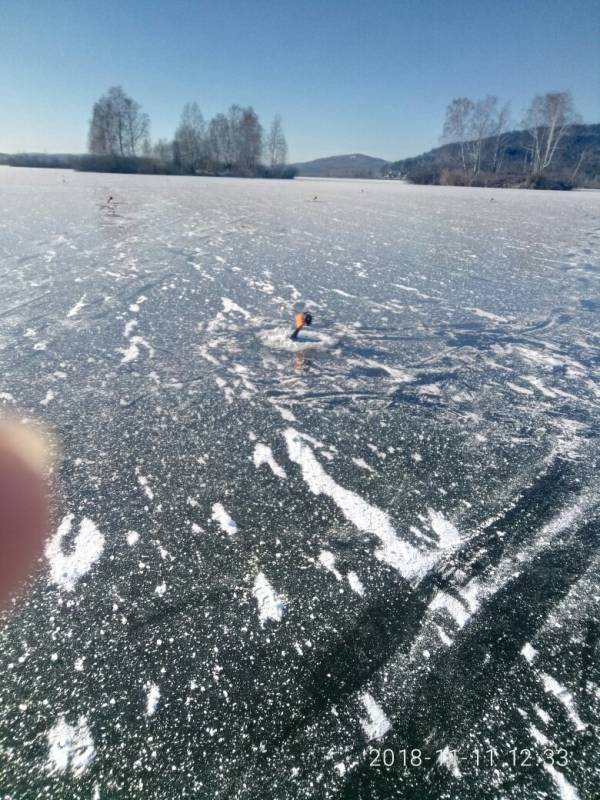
{"x": 250, "y": 140}
{"x": 219, "y": 146}
{"x": 118, "y": 125}
{"x": 234, "y": 140}
{"x": 581, "y": 159}
{"x": 456, "y": 125}
{"x": 162, "y": 151}
{"x": 548, "y": 120}
{"x": 101, "y": 138}
{"x": 480, "y": 127}
{"x": 500, "y": 125}
{"x": 190, "y": 139}
{"x": 276, "y": 143}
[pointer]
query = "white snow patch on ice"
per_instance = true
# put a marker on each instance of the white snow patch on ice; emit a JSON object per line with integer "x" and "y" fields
{"x": 565, "y": 789}
{"x": 552, "y": 686}
{"x": 143, "y": 482}
{"x": 449, "y": 758}
{"x": 539, "y": 737}
{"x": 70, "y": 748}
{"x": 229, "y": 306}
{"x": 48, "y": 399}
{"x": 519, "y": 389}
{"x": 327, "y": 560}
{"x": 444, "y": 636}
{"x": 453, "y": 606}
{"x": 360, "y": 462}
{"x": 543, "y": 715}
{"x": 132, "y": 352}
{"x": 160, "y": 589}
{"x": 66, "y": 570}
{"x": 77, "y": 307}
{"x": 270, "y": 604}
{"x": 152, "y": 698}
{"x": 285, "y": 413}
{"x": 130, "y": 327}
{"x": 488, "y": 315}
{"x": 264, "y": 455}
{"x": 133, "y": 537}
{"x": 225, "y": 522}
{"x": 355, "y": 583}
{"x": 376, "y": 724}
{"x": 7, "y": 397}
{"x": 528, "y": 652}
{"x": 135, "y": 307}
{"x": 401, "y": 555}
{"x": 431, "y": 389}
{"x": 447, "y": 534}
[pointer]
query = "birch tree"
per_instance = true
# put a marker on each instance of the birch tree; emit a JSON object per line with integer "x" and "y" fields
{"x": 456, "y": 125}
{"x": 480, "y": 127}
{"x": 500, "y": 125}
{"x": 548, "y": 120}
{"x": 276, "y": 143}
{"x": 118, "y": 125}
{"x": 250, "y": 141}
{"x": 190, "y": 139}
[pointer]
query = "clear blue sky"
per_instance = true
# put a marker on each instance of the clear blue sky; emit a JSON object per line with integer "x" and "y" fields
{"x": 346, "y": 75}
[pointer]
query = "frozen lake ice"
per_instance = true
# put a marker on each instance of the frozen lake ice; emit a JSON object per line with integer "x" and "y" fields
{"x": 276, "y": 567}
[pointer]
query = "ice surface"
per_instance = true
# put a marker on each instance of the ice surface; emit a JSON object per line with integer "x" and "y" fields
{"x": 267, "y": 553}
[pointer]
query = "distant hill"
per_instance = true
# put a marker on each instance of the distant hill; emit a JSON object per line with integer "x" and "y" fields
{"x": 355, "y": 165}
{"x": 577, "y": 161}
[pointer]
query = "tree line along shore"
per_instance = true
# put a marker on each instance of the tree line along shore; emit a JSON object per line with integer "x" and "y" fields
{"x": 551, "y": 150}
{"x": 479, "y": 146}
{"x": 230, "y": 144}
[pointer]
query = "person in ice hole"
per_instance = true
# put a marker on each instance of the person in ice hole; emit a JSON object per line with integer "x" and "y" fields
{"x": 301, "y": 320}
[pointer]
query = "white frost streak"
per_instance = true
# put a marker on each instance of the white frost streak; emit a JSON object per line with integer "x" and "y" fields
{"x": 565, "y": 697}
{"x": 449, "y": 758}
{"x": 409, "y": 561}
{"x": 152, "y": 698}
{"x": 327, "y": 560}
{"x": 48, "y": 399}
{"x": 132, "y": 538}
{"x": 70, "y": 748}
{"x": 130, "y": 327}
{"x": 566, "y": 791}
{"x": 447, "y": 534}
{"x": 528, "y": 652}
{"x": 225, "y": 522}
{"x": 264, "y": 455}
{"x": 77, "y": 307}
{"x": 355, "y": 583}
{"x": 453, "y": 606}
{"x": 66, "y": 570}
{"x": 143, "y": 482}
{"x": 376, "y": 725}
{"x": 133, "y": 351}
{"x": 229, "y": 306}
{"x": 270, "y": 604}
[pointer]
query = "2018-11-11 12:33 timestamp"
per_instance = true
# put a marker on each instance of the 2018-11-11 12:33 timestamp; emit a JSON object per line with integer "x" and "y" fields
{"x": 478, "y": 758}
